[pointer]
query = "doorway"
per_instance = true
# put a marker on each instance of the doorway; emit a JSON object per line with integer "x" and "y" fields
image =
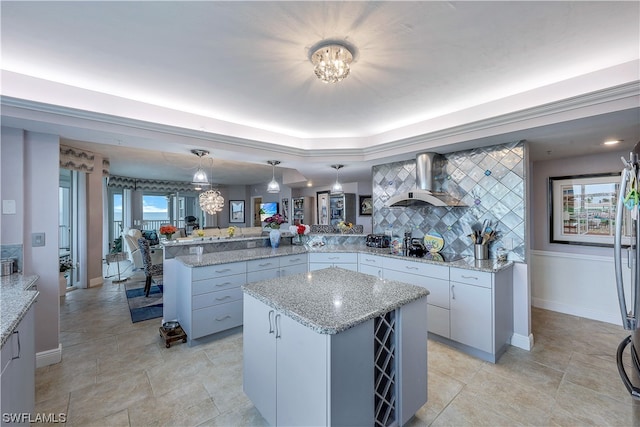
{"x": 255, "y": 211}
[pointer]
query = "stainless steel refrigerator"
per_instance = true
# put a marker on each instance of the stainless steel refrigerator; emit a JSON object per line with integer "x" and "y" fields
{"x": 627, "y": 256}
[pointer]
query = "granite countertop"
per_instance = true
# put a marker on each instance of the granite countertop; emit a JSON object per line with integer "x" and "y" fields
{"x": 332, "y": 300}
{"x": 215, "y": 258}
{"x": 468, "y": 263}
{"x": 15, "y": 300}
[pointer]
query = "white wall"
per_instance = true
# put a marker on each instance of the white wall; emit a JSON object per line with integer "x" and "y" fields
{"x": 12, "y": 184}
{"x": 573, "y": 279}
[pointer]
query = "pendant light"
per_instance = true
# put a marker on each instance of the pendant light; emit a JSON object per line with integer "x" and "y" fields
{"x": 273, "y": 186}
{"x": 337, "y": 187}
{"x": 211, "y": 201}
{"x": 200, "y": 177}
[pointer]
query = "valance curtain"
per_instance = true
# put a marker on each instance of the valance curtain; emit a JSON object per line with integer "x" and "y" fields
{"x": 80, "y": 160}
{"x": 149, "y": 185}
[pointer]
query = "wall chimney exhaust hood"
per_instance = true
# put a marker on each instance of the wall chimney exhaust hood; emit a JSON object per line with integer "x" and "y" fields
{"x": 428, "y": 167}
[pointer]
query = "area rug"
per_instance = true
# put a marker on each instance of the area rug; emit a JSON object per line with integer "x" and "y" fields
{"x": 142, "y": 307}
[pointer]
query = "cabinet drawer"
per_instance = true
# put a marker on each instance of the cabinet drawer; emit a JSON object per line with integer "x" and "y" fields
{"x": 438, "y": 320}
{"x": 210, "y": 271}
{"x": 288, "y": 260}
{"x": 293, "y": 269}
{"x": 334, "y": 257}
{"x": 416, "y": 267}
{"x": 218, "y": 284}
{"x": 262, "y": 264}
{"x": 215, "y": 298}
{"x": 257, "y": 276}
{"x": 472, "y": 277}
{"x": 218, "y": 318}
{"x": 372, "y": 260}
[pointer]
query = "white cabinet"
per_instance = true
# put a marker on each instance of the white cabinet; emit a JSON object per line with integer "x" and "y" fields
{"x": 471, "y": 310}
{"x": 346, "y": 260}
{"x": 296, "y": 376}
{"x": 481, "y": 311}
{"x": 270, "y": 268}
{"x": 284, "y": 367}
{"x": 17, "y": 380}
{"x": 371, "y": 264}
{"x": 210, "y": 298}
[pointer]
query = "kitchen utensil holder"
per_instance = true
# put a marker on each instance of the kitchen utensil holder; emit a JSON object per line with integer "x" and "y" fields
{"x": 481, "y": 251}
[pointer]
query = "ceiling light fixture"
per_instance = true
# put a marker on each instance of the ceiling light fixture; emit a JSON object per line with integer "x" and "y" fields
{"x": 337, "y": 187}
{"x": 331, "y": 60}
{"x": 211, "y": 201}
{"x": 200, "y": 177}
{"x": 273, "y": 186}
{"x": 612, "y": 142}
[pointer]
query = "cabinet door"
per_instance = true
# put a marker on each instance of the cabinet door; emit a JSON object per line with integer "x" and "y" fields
{"x": 259, "y": 357}
{"x": 301, "y": 374}
{"x": 471, "y": 316}
{"x": 256, "y": 276}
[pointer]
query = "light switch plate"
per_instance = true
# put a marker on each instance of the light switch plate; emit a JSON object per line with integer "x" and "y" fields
{"x": 8, "y": 207}
{"x": 37, "y": 239}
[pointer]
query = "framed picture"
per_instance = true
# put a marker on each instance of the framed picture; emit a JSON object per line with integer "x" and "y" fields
{"x": 366, "y": 205}
{"x": 285, "y": 209}
{"x": 322, "y": 198}
{"x": 236, "y": 211}
{"x": 582, "y": 210}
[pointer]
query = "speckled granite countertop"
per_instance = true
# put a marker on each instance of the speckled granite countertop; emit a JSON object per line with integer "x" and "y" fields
{"x": 332, "y": 300}
{"x": 469, "y": 263}
{"x": 15, "y": 301}
{"x": 239, "y": 255}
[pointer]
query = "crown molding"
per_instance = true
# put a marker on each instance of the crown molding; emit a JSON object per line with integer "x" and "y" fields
{"x": 615, "y": 98}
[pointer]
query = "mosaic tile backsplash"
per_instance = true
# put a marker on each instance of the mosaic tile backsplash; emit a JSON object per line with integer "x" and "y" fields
{"x": 489, "y": 181}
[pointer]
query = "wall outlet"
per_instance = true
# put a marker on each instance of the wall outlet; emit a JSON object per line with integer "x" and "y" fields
{"x": 251, "y": 245}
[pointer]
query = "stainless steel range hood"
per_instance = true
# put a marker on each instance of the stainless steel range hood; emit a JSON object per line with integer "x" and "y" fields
{"x": 428, "y": 167}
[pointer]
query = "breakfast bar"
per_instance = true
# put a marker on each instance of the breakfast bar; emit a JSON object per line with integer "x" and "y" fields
{"x": 335, "y": 347}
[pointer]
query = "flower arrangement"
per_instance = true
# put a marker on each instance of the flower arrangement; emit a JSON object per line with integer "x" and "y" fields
{"x": 301, "y": 229}
{"x": 167, "y": 231}
{"x": 274, "y": 221}
{"x": 231, "y": 230}
{"x": 66, "y": 265}
{"x": 344, "y": 227}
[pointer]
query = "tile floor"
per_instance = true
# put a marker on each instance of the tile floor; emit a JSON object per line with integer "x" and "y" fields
{"x": 115, "y": 373}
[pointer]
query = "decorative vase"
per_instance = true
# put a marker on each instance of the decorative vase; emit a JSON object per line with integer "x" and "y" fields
{"x": 168, "y": 236}
{"x": 274, "y": 237}
{"x": 299, "y": 239}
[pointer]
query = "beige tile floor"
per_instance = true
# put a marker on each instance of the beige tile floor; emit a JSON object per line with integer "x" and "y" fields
{"x": 115, "y": 373}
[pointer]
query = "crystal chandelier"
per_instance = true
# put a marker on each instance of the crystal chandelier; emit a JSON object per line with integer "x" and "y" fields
{"x": 331, "y": 61}
{"x": 211, "y": 201}
{"x": 273, "y": 186}
{"x": 337, "y": 187}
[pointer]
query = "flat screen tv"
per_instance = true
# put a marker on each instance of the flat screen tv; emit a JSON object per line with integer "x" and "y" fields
{"x": 268, "y": 209}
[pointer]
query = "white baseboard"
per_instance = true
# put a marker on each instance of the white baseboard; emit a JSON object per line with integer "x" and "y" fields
{"x": 49, "y": 357}
{"x": 522, "y": 341}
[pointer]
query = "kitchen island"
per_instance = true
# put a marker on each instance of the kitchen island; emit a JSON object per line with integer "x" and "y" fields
{"x": 335, "y": 347}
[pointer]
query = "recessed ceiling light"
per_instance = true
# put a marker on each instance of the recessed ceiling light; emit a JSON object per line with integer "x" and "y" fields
{"x": 612, "y": 142}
